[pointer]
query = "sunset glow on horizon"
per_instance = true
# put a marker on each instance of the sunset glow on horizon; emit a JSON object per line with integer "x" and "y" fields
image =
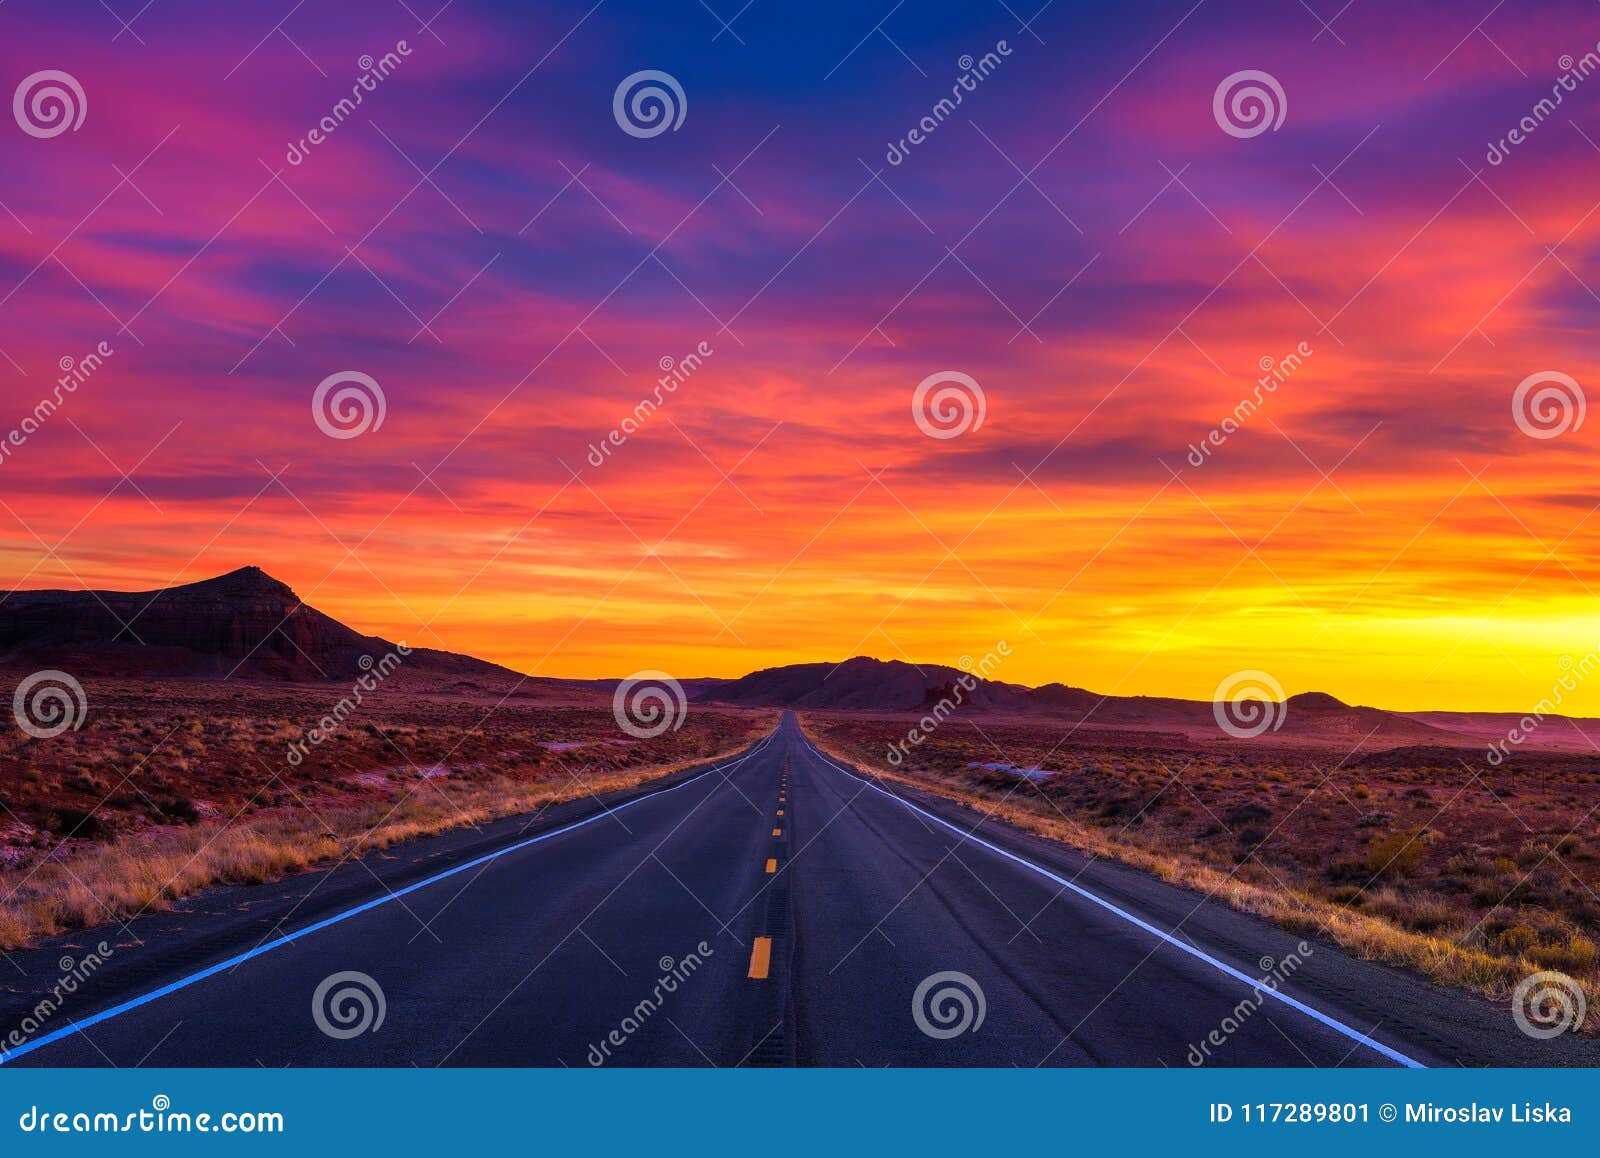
{"x": 1080, "y": 236}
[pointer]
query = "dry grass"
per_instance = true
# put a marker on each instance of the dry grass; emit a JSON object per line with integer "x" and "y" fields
{"x": 120, "y": 881}
{"x": 1482, "y": 946}
{"x": 164, "y": 795}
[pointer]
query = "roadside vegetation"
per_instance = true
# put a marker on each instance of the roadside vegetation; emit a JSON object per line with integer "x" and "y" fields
{"x": 1426, "y": 858}
{"x": 161, "y": 795}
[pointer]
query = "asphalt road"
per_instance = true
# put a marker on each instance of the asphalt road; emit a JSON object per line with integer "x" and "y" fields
{"x": 773, "y": 909}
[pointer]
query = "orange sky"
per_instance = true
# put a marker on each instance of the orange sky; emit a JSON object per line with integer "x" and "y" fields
{"x": 1380, "y": 528}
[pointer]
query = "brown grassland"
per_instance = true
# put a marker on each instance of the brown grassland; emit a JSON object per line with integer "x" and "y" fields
{"x": 172, "y": 786}
{"x": 1426, "y": 858}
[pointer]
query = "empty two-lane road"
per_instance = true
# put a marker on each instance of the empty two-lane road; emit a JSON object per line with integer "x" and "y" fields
{"x": 775, "y": 908}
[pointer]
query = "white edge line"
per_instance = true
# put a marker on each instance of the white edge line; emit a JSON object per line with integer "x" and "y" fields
{"x": 1331, "y": 1022}
{"x": 287, "y": 938}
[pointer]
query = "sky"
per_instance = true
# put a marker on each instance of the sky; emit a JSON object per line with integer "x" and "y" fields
{"x": 1111, "y": 260}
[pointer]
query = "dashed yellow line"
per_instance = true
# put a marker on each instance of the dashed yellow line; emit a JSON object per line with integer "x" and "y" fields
{"x": 777, "y": 832}
{"x": 780, "y": 812}
{"x": 761, "y": 958}
{"x": 772, "y": 864}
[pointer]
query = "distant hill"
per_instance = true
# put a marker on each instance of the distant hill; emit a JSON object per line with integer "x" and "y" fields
{"x": 865, "y": 684}
{"x": 872, "y": 684}
{"x": 1569, "y": 733}
{"x": 245, "y": 624}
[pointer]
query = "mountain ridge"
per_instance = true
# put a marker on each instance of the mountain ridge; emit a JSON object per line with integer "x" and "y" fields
{"x": 249, "y": 625}
{"x": 865, "y": 683}
{"x": 242, "y": 623}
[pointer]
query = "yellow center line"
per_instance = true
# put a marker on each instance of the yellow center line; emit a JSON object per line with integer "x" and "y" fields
{"x": 772, "y": 864}
{"x": 777, "y": 832}
{"x": 761, "y": 958}
{"x": 780, "y": 812}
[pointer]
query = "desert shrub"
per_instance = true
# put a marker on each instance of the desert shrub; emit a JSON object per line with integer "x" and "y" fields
{"x": 1518, "y": 939}
{"x": 1247, "y": 814}
{"x": 1500, "y": 889}
{"x": 1395, "y": 855}
{"x": 75, "y": 822}
{"x": 1422, "y": 911}
{"x": 1471, "y": 861}
{"x": 1577, "y": 954}
{"x": 1345, "y": 871}
{"x": 1533, "y": 851}
{"x": 176, "y": 807}
{"x": 1116, "y": 807}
